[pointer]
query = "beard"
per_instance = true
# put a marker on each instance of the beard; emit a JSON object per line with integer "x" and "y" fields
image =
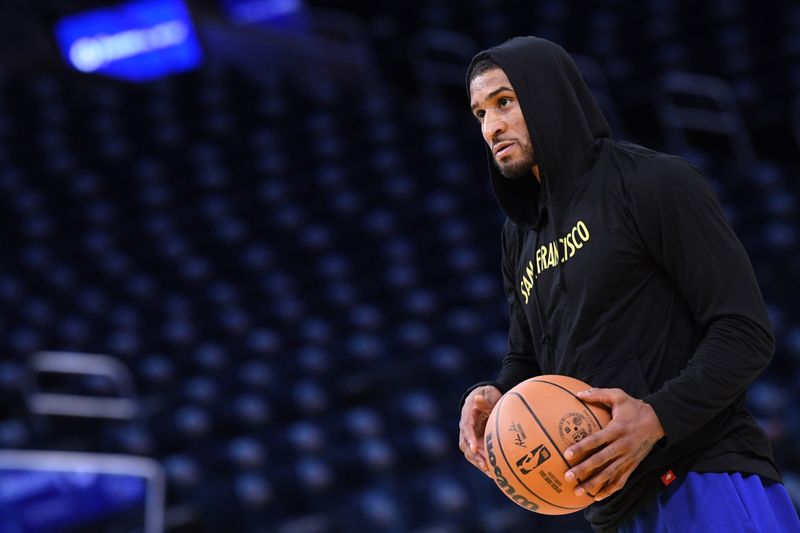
{"x": 519, "y": 168}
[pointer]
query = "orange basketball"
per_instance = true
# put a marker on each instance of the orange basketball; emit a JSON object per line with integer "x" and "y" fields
{"x": 526, "y": 436}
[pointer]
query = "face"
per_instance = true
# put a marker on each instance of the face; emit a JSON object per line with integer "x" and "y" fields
{"x": 494, "y": 103}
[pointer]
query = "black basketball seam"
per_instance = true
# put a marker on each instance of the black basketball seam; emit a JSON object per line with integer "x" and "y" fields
{"x": 502, "y": 451}
{"x": 544, "y": 431}
{"x": 511, "y": 468}
{"x": 537, "y": 380}
{"x": 505, "y": 457}
{"x": 541, "y": 426}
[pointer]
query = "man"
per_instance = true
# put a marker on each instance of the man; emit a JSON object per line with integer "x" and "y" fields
{"x": 620, "y": 270}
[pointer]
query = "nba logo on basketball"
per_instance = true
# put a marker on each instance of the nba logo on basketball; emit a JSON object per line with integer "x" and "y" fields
{"x": 540, "y": 454}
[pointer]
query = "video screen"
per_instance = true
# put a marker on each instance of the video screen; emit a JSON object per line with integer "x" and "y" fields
{"x": 75, "y": 492}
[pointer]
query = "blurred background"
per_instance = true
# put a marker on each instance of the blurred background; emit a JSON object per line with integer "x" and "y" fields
{"x": 250, "y": 257}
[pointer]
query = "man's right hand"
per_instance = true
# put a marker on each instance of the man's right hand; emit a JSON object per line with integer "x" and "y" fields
{"x": 474, "y": 414}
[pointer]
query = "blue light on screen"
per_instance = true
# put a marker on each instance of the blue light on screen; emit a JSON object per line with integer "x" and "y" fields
{"x": 248, "y": 11}
{"x": 36, "y": 501}
{"x": 136, "y": 41}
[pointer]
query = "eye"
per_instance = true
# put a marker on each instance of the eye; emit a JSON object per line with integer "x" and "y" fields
{"x": 504, "y": 101}
{"x": 479, "y": 114}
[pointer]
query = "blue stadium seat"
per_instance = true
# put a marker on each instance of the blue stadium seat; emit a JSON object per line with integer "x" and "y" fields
{"x": 316, "y": 330}
{"x": 251, "y": 410}
{"x": 463, "y": 321}
{"x": 421, "y": 408}
{"x": 421, "y": 302}
{"x": 377, "y": 511}
{"x": 211, "y": 356}
{"x": 414, "y": 335}
{"x": 14, "y": 434}
{"x": 234, "y": 320}
{"x": 314, "y": 474}
{"x": 231, "y": 231}
{"x": 289, "y": 217}
{"x": 124, "y": 343}
{"x": 363, "y": 422}
{"x": 142, "y": 287}
{"x": 24, "y": 340}
{"x": 346, "y": 202}
{"x": 264, "y": 342}
{"x": 781, "y": 235}
{"x": 257, "y": 257}
{"x": 157, "y": 371}
{"x": 314, "y": 360}
{"x": 366, "y": 346}
{"x": 257, "y": 375}
{"x": 315, "y": 237}
{"x": 309, "y": 398}
{"x": 135, "y": 439}
{"x": 380, "y": 221}
{"x": 306, "y": 437}
{"x": 447, "y": 360}
{"x": 464, "y": 259}
{"x": 195, "y": 269}
{"x": 201, "y": 390}
{"x": 376, "y": 456}
{"x": 342, "y": 294}
{"x": 253, "y": 490}
{"x": 441, "y": 203}
{"x": 192, "y": 422}
{"x": 182, "y": 471}
{"x": 400, "y": 188}
{"x": 401, "y": 277}
{"x": 179, "y": 331}
{"x": 246, "y": 453}
{"x": 289, "y": 309}
{"x": 366, "y": 317}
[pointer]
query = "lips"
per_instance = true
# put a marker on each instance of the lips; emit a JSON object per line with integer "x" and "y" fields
{"x": 502, "y": 147}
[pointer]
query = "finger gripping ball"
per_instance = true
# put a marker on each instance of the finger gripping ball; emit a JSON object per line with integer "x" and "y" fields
{"x": 527, "y": 434}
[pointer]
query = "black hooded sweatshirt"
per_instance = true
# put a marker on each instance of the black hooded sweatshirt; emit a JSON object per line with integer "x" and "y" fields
{"x": 621, "y": 270}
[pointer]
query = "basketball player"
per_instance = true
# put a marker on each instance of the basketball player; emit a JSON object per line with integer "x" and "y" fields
{"x": 620, "y": 270}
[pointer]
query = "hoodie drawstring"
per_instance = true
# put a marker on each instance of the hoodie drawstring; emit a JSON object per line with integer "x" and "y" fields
{"x": 561, "y": 283}
{"x": 538, "y": 228}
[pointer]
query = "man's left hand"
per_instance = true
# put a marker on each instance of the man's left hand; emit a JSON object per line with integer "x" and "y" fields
{"x": 610, "y": 455}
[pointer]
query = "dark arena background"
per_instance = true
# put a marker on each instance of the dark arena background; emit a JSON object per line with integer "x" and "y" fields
{"x": 250, "y": 256}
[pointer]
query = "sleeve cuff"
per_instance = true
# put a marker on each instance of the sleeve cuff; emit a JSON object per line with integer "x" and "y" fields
{"x": 669, "y": 438}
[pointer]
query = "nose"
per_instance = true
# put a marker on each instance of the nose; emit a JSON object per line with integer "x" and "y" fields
{"x": 493, "y": 125}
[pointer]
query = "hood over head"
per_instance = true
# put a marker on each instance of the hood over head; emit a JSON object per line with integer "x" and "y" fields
{"x": 563, "y": 119}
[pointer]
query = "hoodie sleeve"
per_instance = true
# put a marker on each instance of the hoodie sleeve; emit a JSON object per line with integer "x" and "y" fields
{"x": 520, "y": 362}
{"x": 684, "y": 229}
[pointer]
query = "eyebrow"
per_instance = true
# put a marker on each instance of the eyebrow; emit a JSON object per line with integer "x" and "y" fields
{"x": 493, "y": 93}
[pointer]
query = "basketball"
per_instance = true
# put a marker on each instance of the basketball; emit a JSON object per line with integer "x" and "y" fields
{"x": 526, "y": 435}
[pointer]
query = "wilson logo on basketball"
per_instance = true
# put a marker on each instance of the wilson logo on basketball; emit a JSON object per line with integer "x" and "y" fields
{"x": 531, "y": 460}
{"x": 519, "y": 440}
{"x": 501, "y": 480}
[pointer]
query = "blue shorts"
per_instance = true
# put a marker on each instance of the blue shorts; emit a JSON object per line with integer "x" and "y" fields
{"x": 718, "y": 502}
